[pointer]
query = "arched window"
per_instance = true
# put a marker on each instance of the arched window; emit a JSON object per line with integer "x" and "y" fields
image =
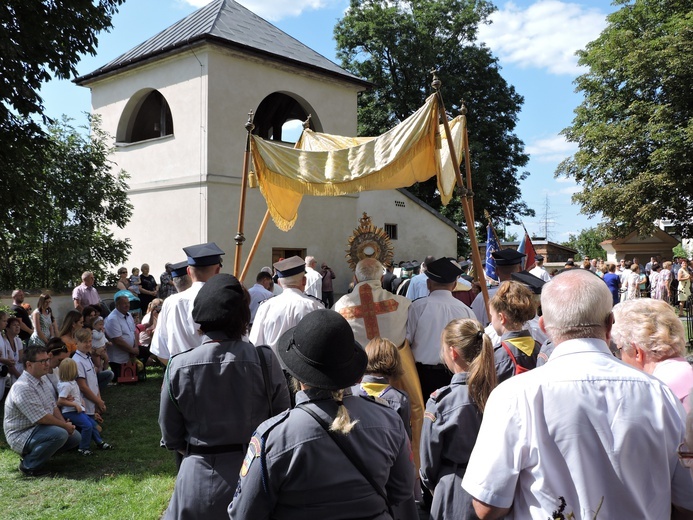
{"x": 146, "y": 116}
{"x": 279, "y": 117}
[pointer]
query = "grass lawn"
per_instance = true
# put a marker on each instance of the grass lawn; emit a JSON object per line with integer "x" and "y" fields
{"x": 133, "y": 481}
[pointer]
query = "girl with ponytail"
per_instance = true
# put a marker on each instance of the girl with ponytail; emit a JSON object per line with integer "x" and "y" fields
{"x": 453, "y": 417}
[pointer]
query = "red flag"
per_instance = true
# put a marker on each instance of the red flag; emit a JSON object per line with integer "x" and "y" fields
{"x": 527, "y": 248}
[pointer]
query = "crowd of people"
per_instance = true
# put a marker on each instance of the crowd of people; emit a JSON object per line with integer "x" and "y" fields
{"x": 565, "y": 391}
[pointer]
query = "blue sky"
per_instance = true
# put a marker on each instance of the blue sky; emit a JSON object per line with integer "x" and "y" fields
{"x": 535, "y": 41}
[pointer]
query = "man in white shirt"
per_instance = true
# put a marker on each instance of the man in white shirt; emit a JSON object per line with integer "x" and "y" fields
{"x": 539, "y": 270}
{"x": 176, "y": 331}
{"x": 259, "y": 292}
{"x": 428, "y": 317}
{"x": 585, "y": 427}
{"x": 284, "y": 311}
{"x": 313, "y": 279}
{"x": 417, "y": 287}
{"x": 120, "y": 330}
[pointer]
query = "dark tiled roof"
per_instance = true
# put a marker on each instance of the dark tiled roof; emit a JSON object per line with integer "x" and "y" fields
{"x": 227, "y": 23}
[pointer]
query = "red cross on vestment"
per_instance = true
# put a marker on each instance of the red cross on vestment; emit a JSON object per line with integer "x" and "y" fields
{"x": 369, "y": 310}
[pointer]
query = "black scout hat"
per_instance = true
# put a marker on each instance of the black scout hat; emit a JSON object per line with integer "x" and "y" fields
{"x": 443, "y": 270}
{"x": 203, "y": 254}
{"x": 321, "y": 351}
{"x": 507, "y": 257}
{"x": 533, "y": 282}
{"x": 290, "y": 266}
{"x": 218, "y": 300}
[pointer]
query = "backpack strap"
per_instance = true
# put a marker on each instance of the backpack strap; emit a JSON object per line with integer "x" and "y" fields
{"x": 519, "y": 369}
{"x": 265, "y": 377}
{"x": 346, "y": 449}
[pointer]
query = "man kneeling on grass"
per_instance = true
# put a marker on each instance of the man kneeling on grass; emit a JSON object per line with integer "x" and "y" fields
{"x": 34, "y": 426}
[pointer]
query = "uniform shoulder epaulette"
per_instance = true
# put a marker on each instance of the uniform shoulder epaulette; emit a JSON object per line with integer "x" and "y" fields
{"x": 401, "y": 392}
{"x": 440, "y": 393}
{"x": 271, "y": 423}
{"x": 255, "y": 449}
{"x": 178, "y": 354}
{"x": 377, "y": 400}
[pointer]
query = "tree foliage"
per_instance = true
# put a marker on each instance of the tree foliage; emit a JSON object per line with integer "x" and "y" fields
{"x": 587, "y": 243}
{"x": 634, "y": 128}
{"x": 394, "y": 44}
{"x": 63, "y": 228}
{"x": 39, "y": 40}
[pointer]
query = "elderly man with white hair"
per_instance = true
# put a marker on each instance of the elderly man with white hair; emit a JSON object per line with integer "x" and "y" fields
{"x": 277, "y": 315}
{"x": 651, "y": 338}
{"x": 313, "y": 279}
{"x": 585, "y": 428}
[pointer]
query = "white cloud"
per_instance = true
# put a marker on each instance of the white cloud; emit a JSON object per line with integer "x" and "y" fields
{"x": 274, "y": 10}
{"x": 545, "y": 35}
{"x": 551, "y": 149}
{"x": 570, "y": 191}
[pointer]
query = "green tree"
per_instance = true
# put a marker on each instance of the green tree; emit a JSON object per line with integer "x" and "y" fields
{"x": 587, "y": 243}
{"x": 634, "y": 128}
{"x": 394, "y": 44}
{"x": 39, "y": 40}
{"x": 679, "y": 251}
{"x": 64, "y": 227}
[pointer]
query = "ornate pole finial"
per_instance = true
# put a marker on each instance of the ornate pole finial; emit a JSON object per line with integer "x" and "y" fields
{"x": 436, "y": 82}
{"x": 249, "y": 125}
{"x": 239, "y": 239}
{"x": 463, "y": 107}
{"x": 306, "y": 123}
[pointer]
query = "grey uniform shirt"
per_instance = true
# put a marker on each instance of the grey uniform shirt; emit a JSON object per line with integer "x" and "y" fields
{"x": 214, "y": 396}
{"x": 450, "y": 427}
{"x": 294, "y": 470}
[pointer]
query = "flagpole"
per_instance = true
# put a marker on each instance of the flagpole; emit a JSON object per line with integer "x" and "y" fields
{"x": 255, "y": 245}
{"x": 240, "y": 238}
{"x": 466, "y": 194}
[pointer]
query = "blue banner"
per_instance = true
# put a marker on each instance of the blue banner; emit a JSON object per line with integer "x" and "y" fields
{"x": 491, "y": 246}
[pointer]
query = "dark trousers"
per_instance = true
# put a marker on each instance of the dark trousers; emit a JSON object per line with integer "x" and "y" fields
{"x": 432, "y": 378}
{"x": 328, "y": 299}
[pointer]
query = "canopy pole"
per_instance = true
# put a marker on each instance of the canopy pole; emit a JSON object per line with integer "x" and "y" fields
{"x": 466, "y": 194}
{"x": 255, "y": 245}
{"x": 240, "y": 238}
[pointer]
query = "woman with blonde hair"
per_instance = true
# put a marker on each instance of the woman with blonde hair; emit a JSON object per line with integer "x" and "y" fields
{"x": 651, "y": 338}
{"x": 663, "y": 291}
{"x": 631, "y": 282}
{"x": 333, "y": 455}
{"x": 684, "y": 287}
{"x": 385, "y": 366}
{"x": 453, "y": 417}
{"x": 123, "y": 281}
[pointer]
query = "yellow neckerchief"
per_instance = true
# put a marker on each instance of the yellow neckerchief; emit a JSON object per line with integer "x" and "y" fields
{"x": 374, "y": 389}
{"x": 524, "y": 344}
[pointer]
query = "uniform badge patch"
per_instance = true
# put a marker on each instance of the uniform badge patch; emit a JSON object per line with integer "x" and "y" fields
{"x": 430, "y": 416}
{"x": 252, "y": 453}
